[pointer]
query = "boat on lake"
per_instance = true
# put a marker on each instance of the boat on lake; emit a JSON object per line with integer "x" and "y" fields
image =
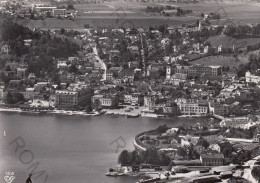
{"x": 117, "y": 171}
{"x": 133, "y": 116}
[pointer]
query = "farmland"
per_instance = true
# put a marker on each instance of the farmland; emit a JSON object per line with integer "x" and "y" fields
{"x": 102, "y": 21}
{"x": 220, "y": 60}
{"x": 131, "y": 13}
{"x": 228, "y": 42}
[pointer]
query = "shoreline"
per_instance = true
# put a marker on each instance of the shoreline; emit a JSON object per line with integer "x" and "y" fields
{"x": 108, "y": 112}
{"x": 55, "y": 111}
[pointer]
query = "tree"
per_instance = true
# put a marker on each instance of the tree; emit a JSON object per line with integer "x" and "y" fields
{"x": 192, "y": 153}
{"x": 48, "y": 14}
{"x": 164, "y": 159}
{"x": 151, "y": 156}
{"x": 226, "y": 149}
{"x": 88, "y": 108}
{"x": 18, "y": 97}
{"x": 162, "y": 128}
{"x": 62, "y": 30}
{"x": 202, "y": 142}
{"x": 136, "y": 159}
{"x": 181, "y": 152}
{"x": 32, "y": 16}
{"x": 9, "y": 98}
{"x": 230, "y": 30}
{"x": 241, "y": 70}
{"x": 73, "y": 68}
{"x": 162, "y": 28}
{"x": 124, "y": 158}
{"x": 256, "y": 173}
{"x": 242, "y": 156}
{"x": 70, "y": 7}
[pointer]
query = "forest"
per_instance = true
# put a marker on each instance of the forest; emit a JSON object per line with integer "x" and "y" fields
{"x": 40, "y": 56}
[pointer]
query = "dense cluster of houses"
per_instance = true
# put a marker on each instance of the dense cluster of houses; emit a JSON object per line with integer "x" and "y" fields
{"x": 201, "y": 89}
{"x": 122, "y": 66}
{"x": 210, "y": 150}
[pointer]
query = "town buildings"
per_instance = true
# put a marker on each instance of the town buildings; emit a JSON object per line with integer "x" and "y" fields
{"x": 66, "y": 98}
{"x": 252, "y": 78}
{"x": 199, "y": 70}
{"x": 104, "y": 101}
{"x": 191, "y": 107}
{"x": 138, "y": 67}
{"x": 212, "y": 159}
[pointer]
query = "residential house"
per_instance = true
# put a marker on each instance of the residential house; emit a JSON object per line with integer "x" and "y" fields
{"x": 133, "y": 99}
{"x": 113, "y": 54}
{"x": 170, "y": 109}
{"x": 59, "y": 12}
{"x": 62, "y": 64}
{"x": 27, "y": 42}
{"x": 215, "y": 147}
{"x": 199, "y": 148}
{"x": 133, "y": 64}
{"x": 109, "y": 75}
{"x": 38, "y": 101}
{"x": 127, "y": 74}
{"x": 32, "y": 77}
{"x": 39, "y": 85}
{"x": 257, "y": 136}
{"x": 41, "y": 8}
{"x": 252, "y": 78}
{"x": 30, "y": 93}
{"x": 2, "y": 92}
{"x": 149, "y": 102}
{"x": 220, "y": 48}
{"x": 206, "y": 49}
{"x": 21, "y": 72}
{"x": 134, "y": 50}
{"x": 246, "y": 95}
{"x": 178, "y": 78}
{"x": 217, "y": 108}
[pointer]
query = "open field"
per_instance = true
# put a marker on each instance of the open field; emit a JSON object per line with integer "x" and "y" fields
{"x": 103, "y": 21}
{"x": 245, "y": 57}
{"x": 228, "y": 42}
{"x": 219, "y": 60}
{"x": 235, "y": 10}
{"x": 125, "y": 13}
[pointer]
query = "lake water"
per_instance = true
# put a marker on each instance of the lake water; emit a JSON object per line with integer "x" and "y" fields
{"x": 70, "y": 149}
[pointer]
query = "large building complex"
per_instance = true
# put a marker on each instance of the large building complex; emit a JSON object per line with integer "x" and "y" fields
{"x": 191, "y": 107}
{"x": 199, "y": 70}
{"x": 66, "y": 98}
{"x": 212, "y": 159}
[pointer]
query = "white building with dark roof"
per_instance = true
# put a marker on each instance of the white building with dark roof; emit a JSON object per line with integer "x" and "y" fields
{"x": 251, "y": 78}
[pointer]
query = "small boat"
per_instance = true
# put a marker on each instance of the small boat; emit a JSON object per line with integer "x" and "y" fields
{"x": 118, "y": 171}
{"x": 112, "y": 174}
{"x": 102, "y": 112}
{"x": 149, "y": 180}
{"x": 132, "y": 116}
{"x": 121, "y": 174}
{"x": 161, "y": 116}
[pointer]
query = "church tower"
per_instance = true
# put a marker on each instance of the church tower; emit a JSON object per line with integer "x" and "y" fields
{"x": 168, "y": 72}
